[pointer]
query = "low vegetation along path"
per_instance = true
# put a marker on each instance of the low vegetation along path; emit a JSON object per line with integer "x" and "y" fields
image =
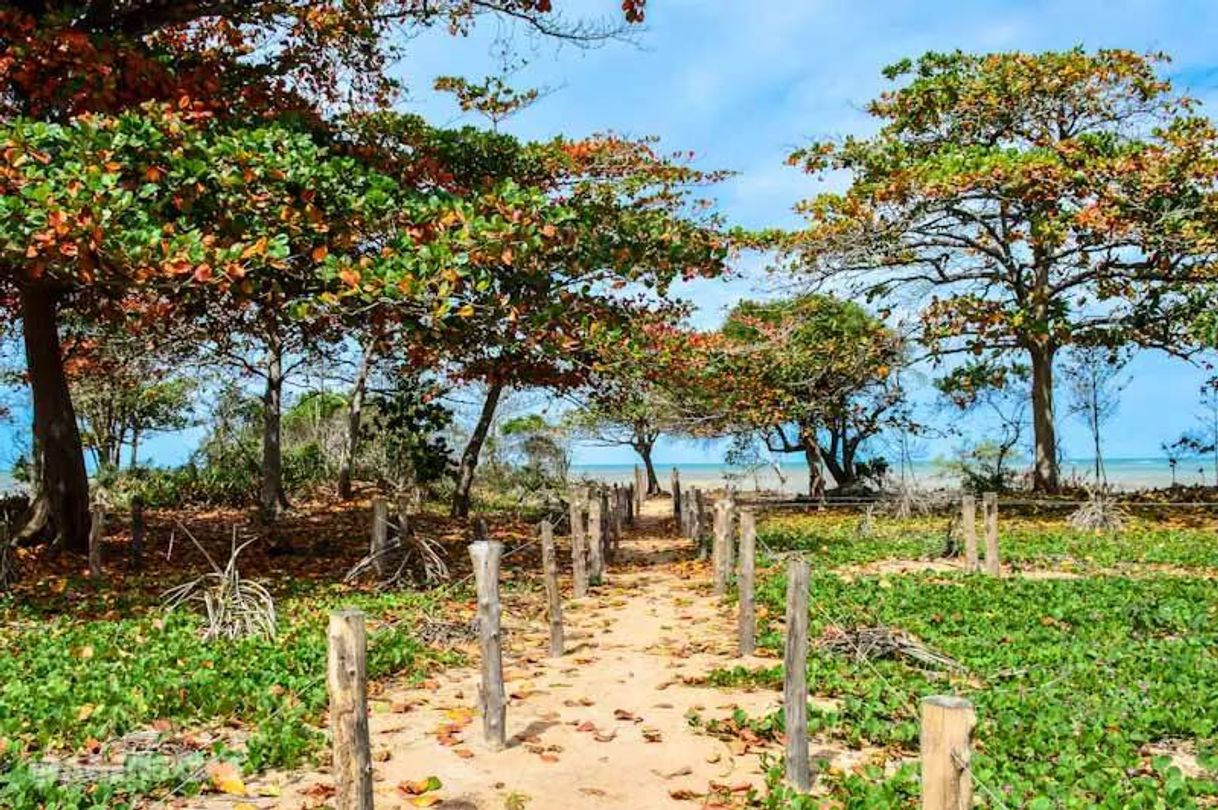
{"x": 606, "y": 725}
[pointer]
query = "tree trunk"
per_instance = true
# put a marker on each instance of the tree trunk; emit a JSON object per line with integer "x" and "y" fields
{"x": 643, "y": 447}
{"x": 1044, "y": 473}
{"x": 272, "y": 440}
{"x": 816, "y": 477}
{"x": 60, "y": 506}
{"x": 355, "y": 408}
{"x": 469, "y": 459}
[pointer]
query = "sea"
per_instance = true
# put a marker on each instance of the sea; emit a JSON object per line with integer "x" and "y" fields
{"x": 1124, "y": 474}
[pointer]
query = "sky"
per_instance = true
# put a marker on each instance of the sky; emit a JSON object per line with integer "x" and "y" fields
{"x": 743, "y": 84}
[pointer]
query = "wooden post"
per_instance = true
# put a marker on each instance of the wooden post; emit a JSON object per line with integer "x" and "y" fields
{"x": 640, "y": 487}
{"x": 617, "y": 520}
{"x": 628, "y": 503}
{"x": 135, "y": 560}
{"x": 345, "y": 679}
{"x": 701, "y": 525}
{"x": 795, "y": 683}
{"x": 579, "y": 544}
{"x": 748, "y": 615}
{"x": 596, "y": 540}
{"x": 403, "y": 506}
{"x": 97, "y": 531}
{"x": 675, "y": 485}
{"x": 968, "y": 519}
{"x": 993, "y": 566}
{"x": 719, "y": 551}
{"x": 485, "y": 555}
{"x": 380, "y": 536}
{"x": 947, "y": 733}
{"x": 549, "y": 564}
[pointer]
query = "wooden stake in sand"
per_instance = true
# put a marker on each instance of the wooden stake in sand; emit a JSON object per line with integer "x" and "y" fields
{"x": 748, "y": 612}
{"x": 946, "y": 742}
{"x": 485, "y": 555}
{"x": 596, "y": 540}
{"x": 641, "y": 486}
{"x": 989, "y": 504}
{"x": 968, "y": 519}
{"x": 720, "y": 550}
{"x": 579, "y": 543}
{"x": 549, "y": 564}
{"x": 675, "y": 485}
{"x": 97, "y": 531}
{"x": 795, "y": 681}
{"x": 345, "y": 679}
{"x": 380, "y": 536}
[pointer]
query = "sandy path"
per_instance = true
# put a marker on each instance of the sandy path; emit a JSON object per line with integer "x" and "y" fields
{"x": 604, "y": 726}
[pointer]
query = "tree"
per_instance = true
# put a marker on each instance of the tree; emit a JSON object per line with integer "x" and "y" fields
{"x": 813, "y": 375}
{"x": 1095, "y": 385}
{"x": 624, "y": 413}
{"x": 998, "y": 393}
{"x": 1204, "y": 439}
{"x": 257, "y": 59}
{"x": 1034, "y": 201}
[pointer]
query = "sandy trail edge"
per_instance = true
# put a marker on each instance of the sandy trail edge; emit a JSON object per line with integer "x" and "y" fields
{"x": 629, "y": 644}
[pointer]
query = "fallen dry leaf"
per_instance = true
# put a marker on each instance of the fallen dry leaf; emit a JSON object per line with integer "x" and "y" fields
{"x": 225, "y": 777}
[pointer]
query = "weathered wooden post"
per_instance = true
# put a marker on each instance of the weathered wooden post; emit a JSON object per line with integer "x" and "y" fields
{"x": 403, "y": 507}
{"x": 135, "y": 559}
{"x": 795, "y": 683}
{"x": 617, "y": 512}
{"x": 346, "y": 682}
{"x": 993, "y": 565}
{"x": 748, "y": 612}
{"x": 946, "y": 742}
{"x": 596, "y": 540}
{"x": 675, "y": 485}
{"x": 698, "y": 530}
{"x": 97, "y": 531}
{"x": 485, "y": 555}
{"x": 380, "y": 536}
{"x": 628, "y": 503}
{"x": 641, "y": 485}
{"x": 719, "y": 549}
{"x": 549, "y": 564}
{"x": 968, "y": 519}
{"x": 579, "y": 543}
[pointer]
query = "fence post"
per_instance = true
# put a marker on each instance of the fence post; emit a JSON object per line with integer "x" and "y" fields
{"x": 676, "y": 494}
{"x": 549, "y": 564}
{"x": 485, "y": 555}
{"x": 97, "y": 531}
{"x": 640, "y": 487}
{"x": 579, "y": 544}
{"x": 946, "y": 743}
{"x": 596, "y": 540}
{"x": 380, "y": 535}
{"x": 345, "y": 680}
{"x": 748, "y": 615}
{"x": 628, "y": 503}
{"x": 135, "y": 560}
{"x": 719, "y": 550}
{"x": 698, "y": 524}
{"x": 795, "y": 680}
{"x": 993, "y": 566}
{"x": 968, "y": 520}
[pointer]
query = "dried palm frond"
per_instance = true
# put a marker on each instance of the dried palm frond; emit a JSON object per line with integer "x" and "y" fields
{"x": 871, "y": 643}
{"x": 409, "y": 556}
{"x": 1101, "y": 513}
{"x": 235, "y": 607}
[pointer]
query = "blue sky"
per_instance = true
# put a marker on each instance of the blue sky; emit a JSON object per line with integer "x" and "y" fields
{"x": 742, "y": 84}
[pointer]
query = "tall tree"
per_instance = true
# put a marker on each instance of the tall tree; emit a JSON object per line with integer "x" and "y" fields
{"x": 812, "y": 374}
{"x": 1033, "y": 201}
{"x": 263, "y": 58}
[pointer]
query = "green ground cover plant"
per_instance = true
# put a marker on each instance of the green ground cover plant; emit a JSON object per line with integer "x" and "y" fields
{"x": 1083, "y": 687}
{"x": 69, "y": 684}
